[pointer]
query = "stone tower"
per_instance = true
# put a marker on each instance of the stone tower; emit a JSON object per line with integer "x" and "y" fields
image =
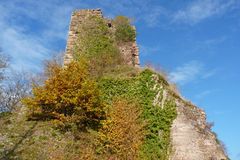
{"x": 129, "y": 50}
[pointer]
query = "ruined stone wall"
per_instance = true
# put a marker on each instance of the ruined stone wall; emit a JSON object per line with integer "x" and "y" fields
{"x": 129, "y": 50}
{"x": 130, "y": 53}
{"x": 78, "y": 17}
{"x": 192, "y": 138}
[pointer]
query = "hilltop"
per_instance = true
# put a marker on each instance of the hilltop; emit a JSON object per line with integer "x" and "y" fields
{"x": 102, "y": 105}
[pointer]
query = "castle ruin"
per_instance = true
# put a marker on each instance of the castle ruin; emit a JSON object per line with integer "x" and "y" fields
{"x": 129, "y": 50}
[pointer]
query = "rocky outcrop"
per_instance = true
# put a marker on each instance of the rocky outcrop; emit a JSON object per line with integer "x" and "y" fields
{"x": 191, "y": 135}
{"x": 192, "y": 138}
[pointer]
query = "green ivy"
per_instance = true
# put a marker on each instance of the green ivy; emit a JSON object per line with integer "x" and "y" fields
{"x": 157, "y": 139}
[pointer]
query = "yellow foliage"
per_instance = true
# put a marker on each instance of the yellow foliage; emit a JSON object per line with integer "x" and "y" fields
{"x": 122, "y": 133}
{"x": 69, "y": 96}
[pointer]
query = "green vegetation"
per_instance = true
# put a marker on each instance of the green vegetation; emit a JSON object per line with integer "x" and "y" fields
{"x": 158, "y": 121}
{"x": 122, "y": 133}
{"x": 4, "y": 114}
{"x": 96, "y": 44}
{"x": 68, "y": 96}
{"x": 104, "y": 107}
{"x": 124, "y": 31}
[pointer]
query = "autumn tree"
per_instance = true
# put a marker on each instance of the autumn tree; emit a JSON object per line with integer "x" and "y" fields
{"x": 69, "y": 96}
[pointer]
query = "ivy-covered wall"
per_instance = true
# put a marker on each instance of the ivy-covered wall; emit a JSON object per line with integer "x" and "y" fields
{"x": 158, "y": 120}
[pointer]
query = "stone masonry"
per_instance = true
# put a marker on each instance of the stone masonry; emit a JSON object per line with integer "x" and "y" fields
{"x": 129, "y": 50}
{"x": 192, "y": 138}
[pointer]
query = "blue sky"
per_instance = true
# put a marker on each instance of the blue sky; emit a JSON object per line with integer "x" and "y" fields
{"x": 195, "y": 41}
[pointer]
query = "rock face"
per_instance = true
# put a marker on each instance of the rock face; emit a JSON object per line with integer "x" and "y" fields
{"x": 129, "y": 50}
{"x": 191, "y": 136}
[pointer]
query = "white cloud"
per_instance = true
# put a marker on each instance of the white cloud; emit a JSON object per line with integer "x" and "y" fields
{"x": 24, "y": 50}
{"x": 28, "y": 31}
{"x": 189, "y": 72}
{"x": 203, "y": 94}
{"x": 141, "y": 11}
{"x": 221, "y": 112}
{"x": 209, "y": 73}
{"x": 147, "y": 50}
{"x": 30, "y": 42}
{"x": 186, "y": 73}
{"x": 202, "y": 9}
{"x": 153, "y": 18}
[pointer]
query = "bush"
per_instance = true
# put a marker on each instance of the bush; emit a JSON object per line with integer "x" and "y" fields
{"x": 69, "y": 96}
{"x": 122, "y": 133}
{"x": 124, "y": 31}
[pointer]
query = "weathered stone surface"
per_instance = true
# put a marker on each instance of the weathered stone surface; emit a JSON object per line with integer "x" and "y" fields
{"x": 191, "y": 138}
{"x": 128, "y": 50}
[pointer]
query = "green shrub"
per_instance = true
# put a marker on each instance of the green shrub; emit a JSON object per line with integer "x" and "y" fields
{"x": 124, "y": 31}
{"x": 5, "y": 114}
